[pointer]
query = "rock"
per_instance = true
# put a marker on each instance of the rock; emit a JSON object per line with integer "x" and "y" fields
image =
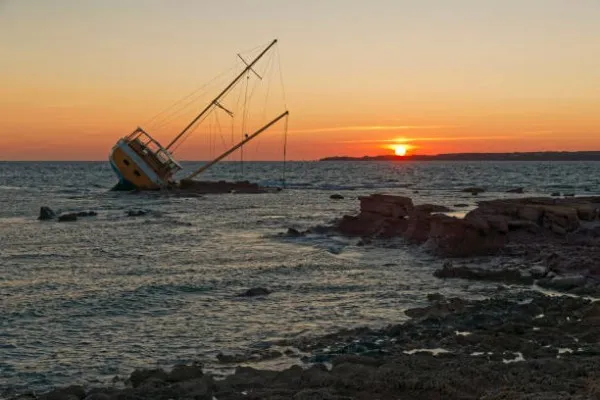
{"x": 46, "y": 213}
{"x": 453, "y": 237}
{"x": 587, "y": 212}
{"x": 473, "y": 190}
{"x": 137, "y": 213}
{"x": 362, "y": 225}
{"x": 67, "y": 393}
{"x": 555, "y": 194}
{"x": 418, "y": 227}
{"x": 392, "y": 227}
{"x": 336, "y": 197}
{"x": 431, "y": 208}
{"x": 139, "y": 376}
{"x": 292, "y": 232}
{"x": 538, "y": 271}
{"x": 66, "y": 217}
{"x": 569, "y": 195}
{"x": 508, "y": 275}
{"x": 86, "y": 213}
{"x": 98, "y": 396}
{"x": 386, "y": 205}
{"x": 197, "y": 389}
{"x": 439, "y": 309}
{"x": 563, "y": 283}
{"x": 560, "y": 219}
{"x": 257, "y": 291}
{"x": 516, "y": 190}
{"x": 528, "y": 226}
{"x": 461, "y": 205}
{"x": 185, "y": 373}
{"x": 530, "y": 213}
{"x": 432, "y": 297}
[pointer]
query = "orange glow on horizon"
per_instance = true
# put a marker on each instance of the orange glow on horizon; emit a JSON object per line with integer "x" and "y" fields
{"x": 433, "y": 84}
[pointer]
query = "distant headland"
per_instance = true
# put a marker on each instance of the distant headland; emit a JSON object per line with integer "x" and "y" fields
{"x": 530, "y": 156}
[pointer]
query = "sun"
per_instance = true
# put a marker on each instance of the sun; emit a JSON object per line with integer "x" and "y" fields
{"x": 400, "y": 150}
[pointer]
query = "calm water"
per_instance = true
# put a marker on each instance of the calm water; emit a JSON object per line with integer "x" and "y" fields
{"x": 85, "y": 301}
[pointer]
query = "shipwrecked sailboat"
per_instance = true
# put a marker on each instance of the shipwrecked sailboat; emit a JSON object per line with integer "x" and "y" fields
{"x": 142, "y": 163}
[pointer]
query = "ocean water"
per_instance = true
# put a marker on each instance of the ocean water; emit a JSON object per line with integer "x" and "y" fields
{"x": 84, "y": 301}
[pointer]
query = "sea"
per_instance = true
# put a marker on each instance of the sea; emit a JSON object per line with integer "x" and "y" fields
{"x": 87, "y": 301}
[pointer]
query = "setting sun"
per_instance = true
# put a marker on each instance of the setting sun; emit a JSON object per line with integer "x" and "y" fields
{"x": 400, "y": 150}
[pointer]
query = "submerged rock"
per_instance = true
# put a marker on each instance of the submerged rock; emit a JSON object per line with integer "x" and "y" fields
{"x": 336, "y": 197}
{"x": 137, "y": 213}
{"x": 256, "y": 291}
{"x": 87, "y": 213}
{"x": 293, "y": 232}
{"x": 516, "y": 190}
{"x": 46, "y": 213}
{"x": 66, "y": 217}
{"x": 473, "y": 190}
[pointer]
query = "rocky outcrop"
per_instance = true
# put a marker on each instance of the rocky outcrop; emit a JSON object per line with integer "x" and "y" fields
{"x": 453, "y": 237}
{"x": 387, "y": 206}
{"x": 383, "y": 215}
{"x": 564, "y": 234}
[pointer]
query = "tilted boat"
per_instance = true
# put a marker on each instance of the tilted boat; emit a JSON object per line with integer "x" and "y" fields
{"x": 142, "y": 163}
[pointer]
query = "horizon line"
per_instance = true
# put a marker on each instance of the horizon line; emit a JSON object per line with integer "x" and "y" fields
{"x": 346, "y": 156}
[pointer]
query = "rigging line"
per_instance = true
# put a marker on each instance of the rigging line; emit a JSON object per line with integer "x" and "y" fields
{"x": 220, "y": 131}
{"x": 244, "y": 112}
{"x": 267, "y": 75}
{"x": 171, "y": 116}
{"x": 237, "y": 105}
{"x": 188, "y": 134}
{"x": 281, "y": 78}
{"x": 191, "y": 93}
{"x": 285, "y": 133}
{"x": 210, "y": 141}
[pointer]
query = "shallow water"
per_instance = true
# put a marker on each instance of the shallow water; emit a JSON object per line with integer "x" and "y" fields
{"x": 85, "y": 301}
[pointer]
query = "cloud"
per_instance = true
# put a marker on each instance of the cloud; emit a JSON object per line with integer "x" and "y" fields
{"x": 429, "y": 139}
{"x": 367, "y": 128}
{"x": 450, "y": 138}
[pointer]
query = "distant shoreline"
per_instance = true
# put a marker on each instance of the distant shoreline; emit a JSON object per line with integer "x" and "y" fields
{"x": 530, "y": 156}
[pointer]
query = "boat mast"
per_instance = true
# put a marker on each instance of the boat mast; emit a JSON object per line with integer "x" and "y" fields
{"x": 215, "y": 101}
{"x": 237, "y": 146}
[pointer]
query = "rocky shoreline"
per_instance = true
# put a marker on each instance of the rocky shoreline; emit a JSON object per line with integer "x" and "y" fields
{"x": 513, "y": 346}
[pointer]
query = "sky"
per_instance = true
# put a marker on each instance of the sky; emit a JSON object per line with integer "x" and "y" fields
{"x": 359, "y": 77}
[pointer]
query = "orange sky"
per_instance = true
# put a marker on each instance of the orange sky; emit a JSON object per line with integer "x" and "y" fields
{"x": 460, "y": 76}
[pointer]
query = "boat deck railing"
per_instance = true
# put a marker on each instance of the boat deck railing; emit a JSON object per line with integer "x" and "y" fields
{"x": 152, "y": 152}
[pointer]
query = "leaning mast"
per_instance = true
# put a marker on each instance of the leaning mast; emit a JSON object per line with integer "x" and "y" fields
{"x": 216, "y": 100}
